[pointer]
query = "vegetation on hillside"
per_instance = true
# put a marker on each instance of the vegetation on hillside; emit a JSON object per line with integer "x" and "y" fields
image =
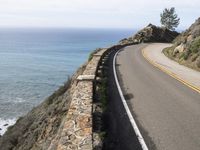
{"x": 186, "y": 47}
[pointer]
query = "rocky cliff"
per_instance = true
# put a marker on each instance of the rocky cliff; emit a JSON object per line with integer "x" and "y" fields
{"x": 152, "y": 33}
{"x": 40, "y": 126}
{"x": 186, "y": 47}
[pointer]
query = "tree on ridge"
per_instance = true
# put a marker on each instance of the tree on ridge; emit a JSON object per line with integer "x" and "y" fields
{"x": 169, "y": 18}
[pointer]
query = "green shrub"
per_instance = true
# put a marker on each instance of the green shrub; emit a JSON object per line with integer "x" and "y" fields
{"x": 90, "y": 56}
{"x": 194, "y": 57}
{"x": 195, "y": 45}
{"x": 92, "y": 53}
{"x": 198, "y": 62}
{"x": 186, "y": 54}
{"x": 102, "y": 135}
{"x": 169, "y": 51}
{"x": 181, "y": 56}
{"x": 103, "y": 92}
{"x": 59, "y": 92}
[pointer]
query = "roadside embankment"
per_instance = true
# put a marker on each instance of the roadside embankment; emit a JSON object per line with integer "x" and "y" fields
{"x": 186, "y": 47}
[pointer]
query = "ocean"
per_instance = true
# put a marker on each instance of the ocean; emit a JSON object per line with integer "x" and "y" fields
{"x": 35, "y": 62}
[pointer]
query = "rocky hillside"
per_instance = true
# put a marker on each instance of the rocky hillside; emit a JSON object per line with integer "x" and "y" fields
{"x": 152, "y": 33}
{"x": 39, "y": 127}
{"x": 186, "y": 47}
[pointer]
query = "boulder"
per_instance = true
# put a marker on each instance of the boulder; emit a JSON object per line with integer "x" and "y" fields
{"x": 179, "y": 49}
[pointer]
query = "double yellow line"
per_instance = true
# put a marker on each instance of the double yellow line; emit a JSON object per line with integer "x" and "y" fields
{"x": 197, "y": 89}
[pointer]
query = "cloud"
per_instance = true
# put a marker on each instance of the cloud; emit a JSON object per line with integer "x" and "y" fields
{"x": 92, "y": 13}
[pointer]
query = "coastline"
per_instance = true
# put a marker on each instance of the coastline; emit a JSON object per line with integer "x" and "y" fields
{"x": 5, "y": 123}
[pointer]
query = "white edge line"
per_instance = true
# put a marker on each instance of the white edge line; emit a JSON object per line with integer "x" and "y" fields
{"x": 133, "y": 123}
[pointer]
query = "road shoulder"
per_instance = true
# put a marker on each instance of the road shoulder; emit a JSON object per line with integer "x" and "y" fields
{"x": 189, "y": 77}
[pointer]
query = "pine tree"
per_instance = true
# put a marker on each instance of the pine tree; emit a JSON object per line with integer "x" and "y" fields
{"x": 169, "y": 18}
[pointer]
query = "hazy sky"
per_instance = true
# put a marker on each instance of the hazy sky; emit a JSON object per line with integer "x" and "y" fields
{"x": 93, "y": 13}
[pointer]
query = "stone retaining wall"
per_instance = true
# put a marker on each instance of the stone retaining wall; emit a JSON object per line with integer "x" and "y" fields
{"x": 77, "y": 127}
{"x": 77, "y": 132}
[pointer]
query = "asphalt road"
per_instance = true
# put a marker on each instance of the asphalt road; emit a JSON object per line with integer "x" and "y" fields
{"x": 166, "y": 111}
{"x": 120, "y": 133}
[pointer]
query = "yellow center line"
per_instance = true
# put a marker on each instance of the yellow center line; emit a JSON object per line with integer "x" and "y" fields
{"x": 175, "y": 76}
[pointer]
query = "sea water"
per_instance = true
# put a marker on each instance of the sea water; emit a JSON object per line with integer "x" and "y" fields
{"x": 35, "y": 62}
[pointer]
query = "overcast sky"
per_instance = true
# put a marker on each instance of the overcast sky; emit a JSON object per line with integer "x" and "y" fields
{"x": 93, "y": 13}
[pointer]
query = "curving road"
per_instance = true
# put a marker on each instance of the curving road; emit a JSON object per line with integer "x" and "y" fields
{"x": 166, "y": 111}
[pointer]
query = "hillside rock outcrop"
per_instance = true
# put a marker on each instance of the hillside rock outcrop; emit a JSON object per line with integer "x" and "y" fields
{"x": 152, "y": 33}
{"x": 186, "y": 47}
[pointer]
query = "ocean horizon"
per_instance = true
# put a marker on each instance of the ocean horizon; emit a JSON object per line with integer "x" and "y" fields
{"x": 34, "y": 62}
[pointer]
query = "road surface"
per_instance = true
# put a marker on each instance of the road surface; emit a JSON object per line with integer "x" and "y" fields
{"x": 166, "y": 111}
